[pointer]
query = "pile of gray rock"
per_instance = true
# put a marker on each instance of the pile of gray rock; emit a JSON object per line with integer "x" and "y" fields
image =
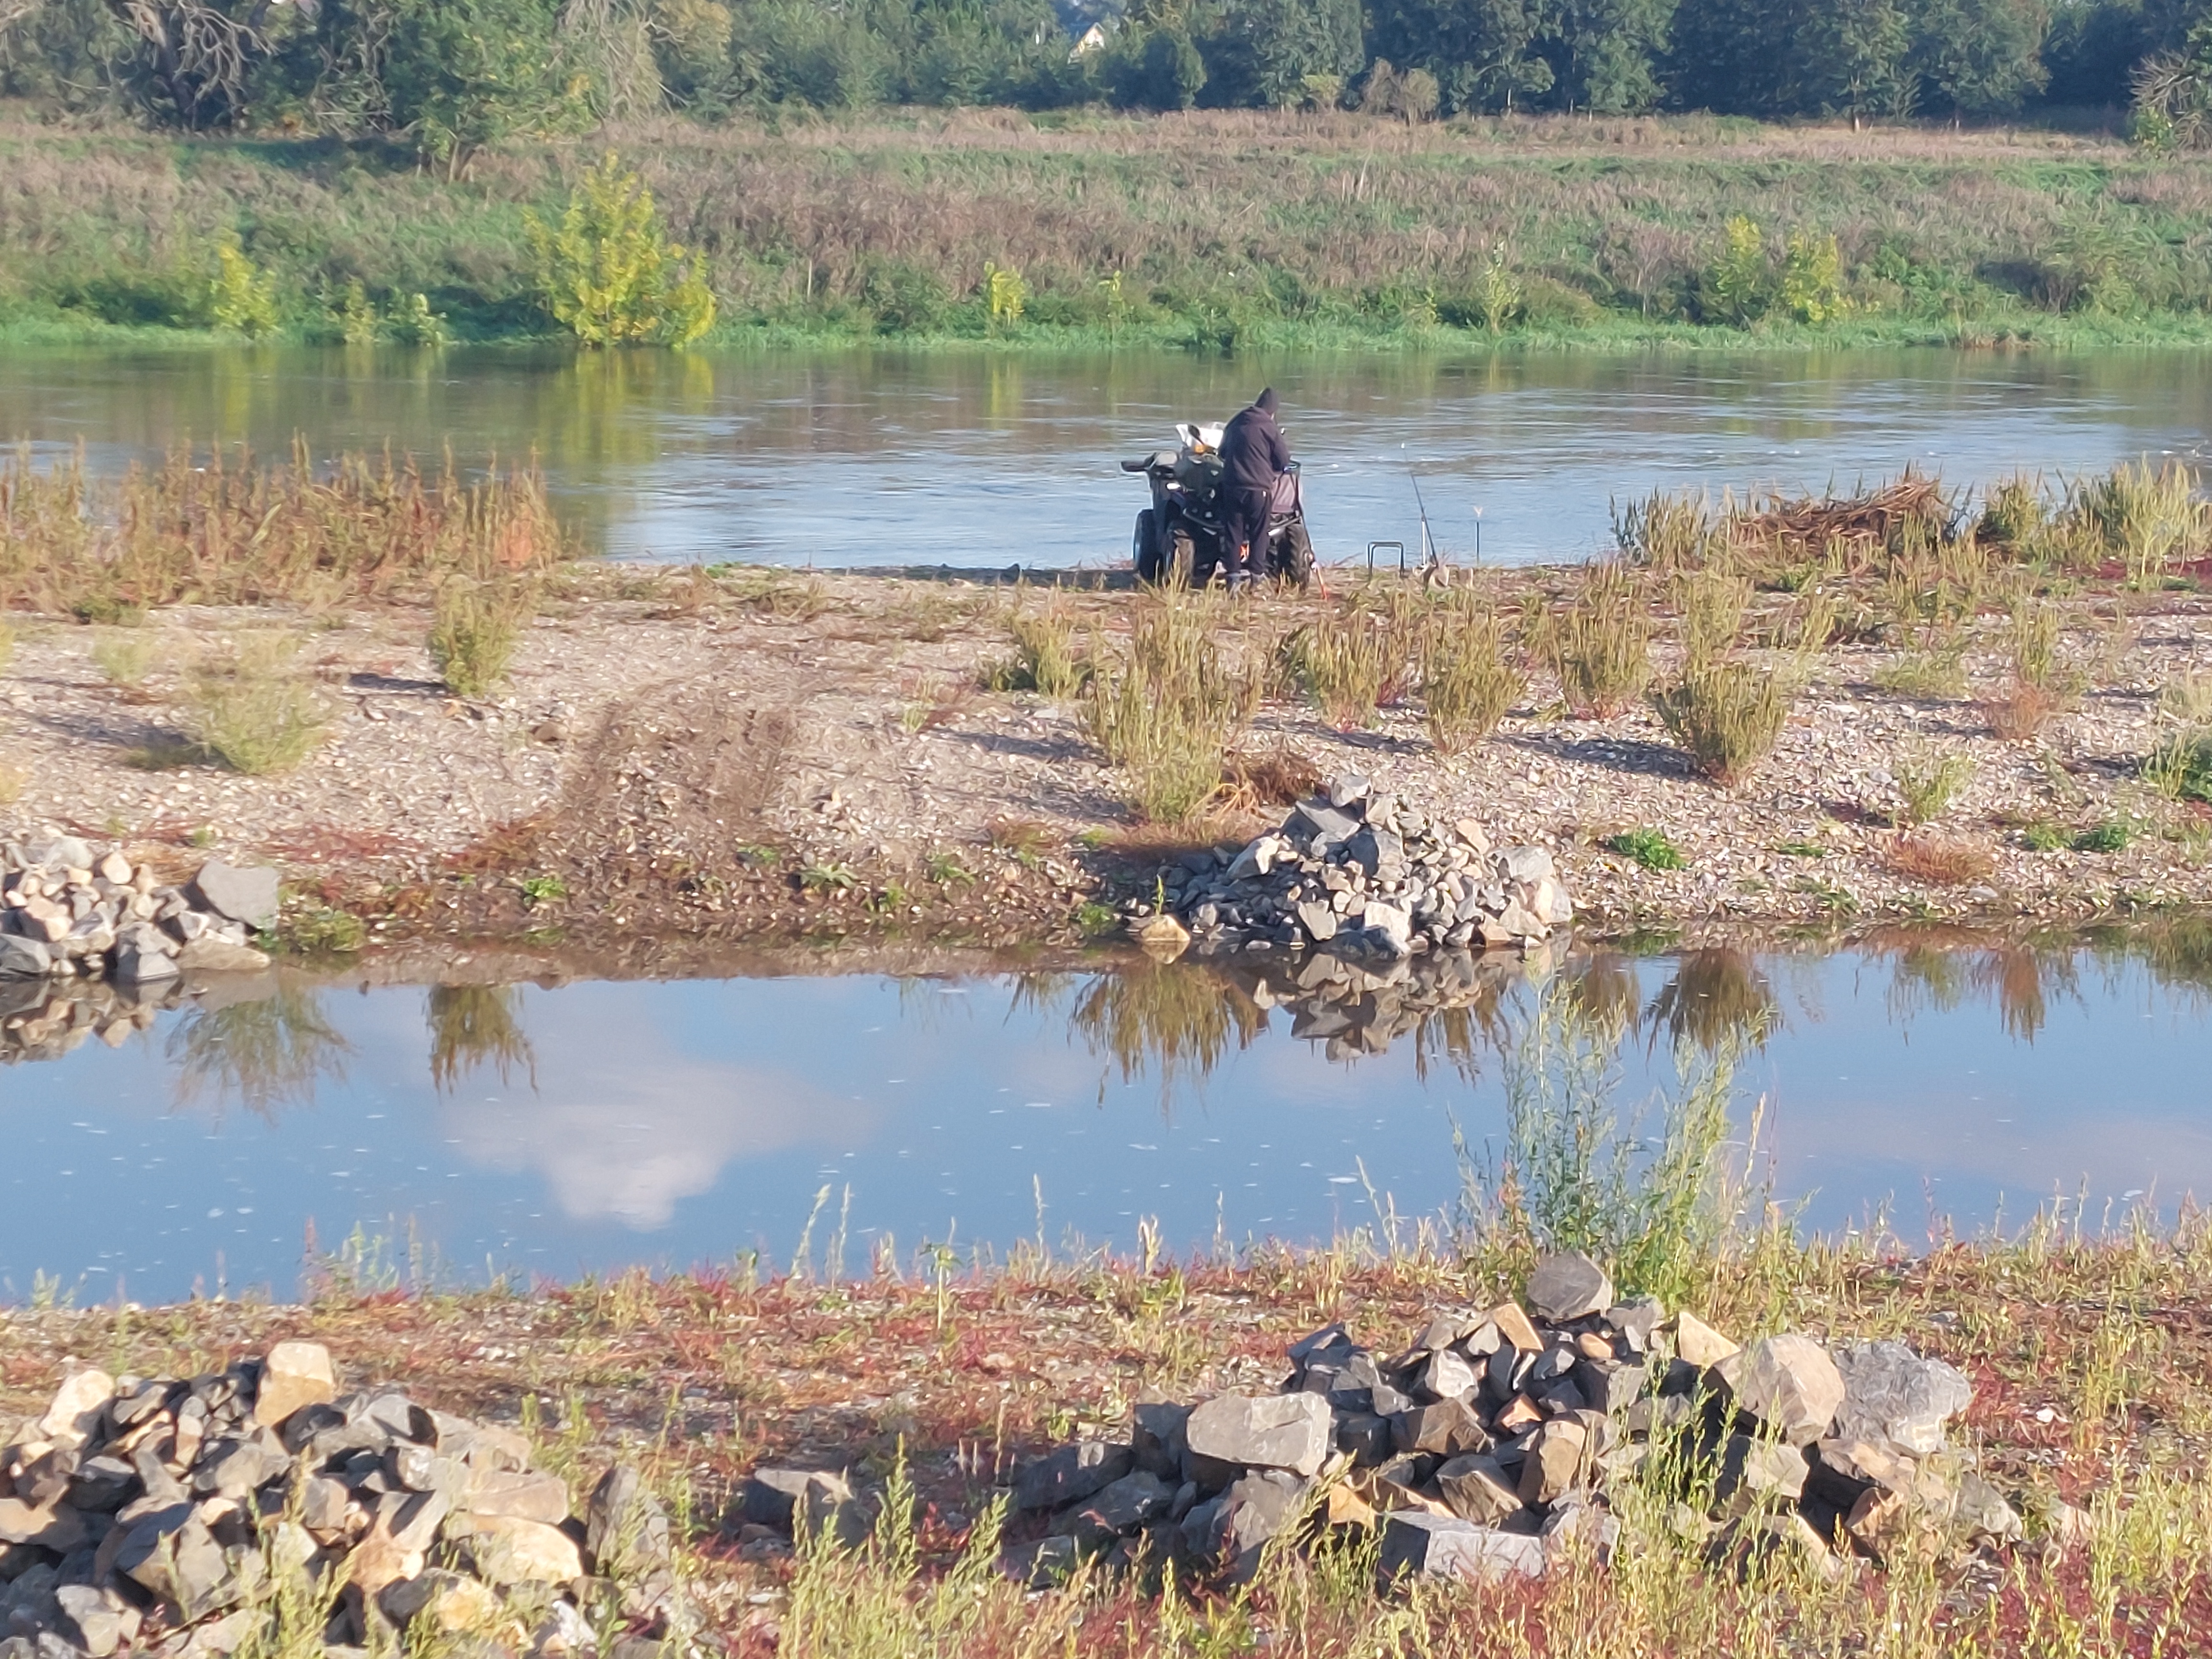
{"x": 1364, "y": 1006}
{"x": 69, "y": 911}
{"x": 193, "y": 1517}
{"x": 1498, "y": 1440}
{"x": 1357, "y": 874}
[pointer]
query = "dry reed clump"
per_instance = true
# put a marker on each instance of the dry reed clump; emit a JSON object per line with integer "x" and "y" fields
{"x": 1168, "y": 715}
{"x": 1602, "y": 648}
{"x": 253, "y": 708}
{"x": 1936, "y": 676}
{"x": 237, "y": 531}
{"x": 475, "y": 628}
{"x": 1276, "y": 777}
{"x": 1939, "y": 862}
{"x": 1468, "y": 680}
{"x": 2187, "y": 698}
{"x": 2144, "y": 518}
{"x": 1726, "y": 714}
{"x": 2018, "y": 713}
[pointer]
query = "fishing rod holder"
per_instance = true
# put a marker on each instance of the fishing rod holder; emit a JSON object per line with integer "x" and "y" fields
{"x": 1373, "y": 548}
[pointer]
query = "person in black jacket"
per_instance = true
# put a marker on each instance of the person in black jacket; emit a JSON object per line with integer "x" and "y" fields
{"x": 1253, "y": 456}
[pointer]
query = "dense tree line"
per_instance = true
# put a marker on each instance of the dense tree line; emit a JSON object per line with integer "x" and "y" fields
{"x": 449, "y": 75}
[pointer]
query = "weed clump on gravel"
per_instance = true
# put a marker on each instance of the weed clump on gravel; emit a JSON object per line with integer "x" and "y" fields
{"x": 1045, "y": 659}
{"x": 1927, "y": 782}
{"x": 253, "y": 708}
{"x": 1467, "y": 679}
{"x": 1602, "y": 648}
{"x": 1167, "y": 716}
{"x": 1649, "y": 847}
{"x": 475, "y": 629}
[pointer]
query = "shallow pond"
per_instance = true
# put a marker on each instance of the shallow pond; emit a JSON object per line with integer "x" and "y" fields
{"x": 863, "y": 458}
{"x": 571, "y": 1127}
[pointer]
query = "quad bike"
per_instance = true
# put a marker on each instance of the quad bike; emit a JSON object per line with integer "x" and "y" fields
{"x": 1179, "y": 538}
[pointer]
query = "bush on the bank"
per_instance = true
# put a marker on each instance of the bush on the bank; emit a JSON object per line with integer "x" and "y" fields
{"x": 1467, "y": 679}
{"x": 253, "y": 708}
{"x": 1728, "y": 717}
{"x": 1602, "y": 648}
{"x": 1168, "y": 715}
{"x": 608, "y": 272}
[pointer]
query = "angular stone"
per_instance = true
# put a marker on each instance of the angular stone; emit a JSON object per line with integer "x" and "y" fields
{"x": 295, "y": 1374}
{"x": 99, "y": 1621}
{"x": 102, "y": 1486}
{"x": 176, "y": 1557}
{"x": 1156, "y": 1437}
{"x": 1366, "y": 1437}
{"x": 1759, "y": 1469}
{"x": 1555, "y": 1461}
{"x": 1698, "y": 1344}
{"x": 1525, "y": 864}
{"x": 136, "y": 964}
{"x": 1290, "y": 1431}
{"x": 1789, "y": 1383}
{"x": 1232, "y": 1530}
{"x": 1346, "y": 787}
{"x": 1477, "y": 1490}
{"x": 1120, "y": 1509}
{"x": 73, "y": 1416}
{"x": 1866, "y": 1462}
{"x": 248, "y": 894}
{"x": 1163, "y": 938}
{"x": 626, "y": 1532}
{"x": 1319, "y": 920}
{"x": 524, "y": 1496}
{"x": 1447, "y": 1375}
{"x": 114, "y": 869}
{"x": 1635, "y": 1321}
{"x": 325, "y": 1504}
{"x": 787, "y": 1499}
{"x": 55, "y": 1527}
{"x": 1444, "y": 1546}
{"x": 210, "y": 954}
{"x": 1569, "y": 1286}
{"x": 1514, "y": 1327}
{"x": 1071, "y": 1473}
{"x": 1890, "y": 1392}
{"x": 235, "y": 1469}
{"x": 1877, "y": 1513}
{"x": 1611, "y": 1388}
{"x": 417, "y": 1468}
{"x": 507, "y": 1550}
{"x": 1378, "y": 854}
{"x": 24, "y": 958}
{"x": 1983, "y": 1513}
{"x": 1448, "y": 1428}
{"x": 457, "y": 1604}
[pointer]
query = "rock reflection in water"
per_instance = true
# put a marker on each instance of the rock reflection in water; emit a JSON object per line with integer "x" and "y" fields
{"x": 46, "y": 1019}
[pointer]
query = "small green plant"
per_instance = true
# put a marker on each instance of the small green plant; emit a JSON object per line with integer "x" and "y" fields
{"x": 538, "y": 890}
{"x": 252, "y": 708}
{"x": 2033, "y": 640}
{"x": 2042, "y": 836}
{"x": 609, "y": 273}
{"x": 241, "y": 297}
{"x": 1045, "y": 659}
{"x": 413, "y": 323}
{"x": 1926, "y": 676}
{"x": 321, "y": 929}
{"x": 2180, "y": 768}
{"x": 1093, "y": 918}
{"x": 1728, "y": 716}
{"x": 1929, "y": 780}
{"x": 2014, "y": 512}
{"x": 1467, "y": 681}
{"x": 946, "y": 871}
{"x": 1649, "y": 847}
{"x": 1801, "y": 849}
{"x": 828, "y": 878}
{"x": 475, "y": 628}
{"x": 2112, "y": 836}
{"x": 1005, "y": 292}
{"x": 357, "y": 322}
{"x": 2145, "y": 517}
{"x": 124, "y": 655}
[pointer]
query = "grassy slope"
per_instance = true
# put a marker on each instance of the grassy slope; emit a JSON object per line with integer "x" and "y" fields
{"x": 1228, "y": 229}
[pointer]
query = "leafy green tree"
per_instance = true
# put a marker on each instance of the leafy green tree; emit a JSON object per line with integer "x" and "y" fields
{"x": 1853, "y": 55}
{"x": 1734, "y": 57}
{"x": 1267, "y": 52}
{"x": 1979, "y": 58}
{"x": 1605, "y": 54}
{"x": 456, "y": 74}
{"x": 1482, "y": 52}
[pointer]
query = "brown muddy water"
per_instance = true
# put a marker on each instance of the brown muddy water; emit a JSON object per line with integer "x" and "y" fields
{"x": 549, "y": 1129}
{"x": 860, "y": 457}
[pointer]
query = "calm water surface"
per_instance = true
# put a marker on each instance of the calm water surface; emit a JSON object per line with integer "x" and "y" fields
{"x": 598, "y": 1124}
{"x": 864, "y": 458}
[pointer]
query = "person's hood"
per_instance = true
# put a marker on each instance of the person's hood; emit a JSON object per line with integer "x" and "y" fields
{"x": 1265, "y": 401}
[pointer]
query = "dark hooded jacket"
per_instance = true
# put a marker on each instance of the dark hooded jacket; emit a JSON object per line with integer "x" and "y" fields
{"x": 1253, "y": 452}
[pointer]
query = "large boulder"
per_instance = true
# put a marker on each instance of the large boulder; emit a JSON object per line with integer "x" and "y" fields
{"x": 1290, "y": 1432}
{"x": 1891, "y": 1394}
{"x": 248, "y": 895}
{"x": 1789, "y": 1383}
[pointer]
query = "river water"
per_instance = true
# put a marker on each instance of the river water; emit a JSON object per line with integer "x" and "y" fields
{"x": 977, "y": 459}
{"x": 594, "y": 1124}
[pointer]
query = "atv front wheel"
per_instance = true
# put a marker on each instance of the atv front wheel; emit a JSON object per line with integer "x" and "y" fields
{"x": 1145, "y": 546}
{"x": 1182, "y": 558}
{"x": 1295, "y": 563}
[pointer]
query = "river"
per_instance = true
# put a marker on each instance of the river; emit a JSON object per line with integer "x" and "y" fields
{"x": 972, "y": 458}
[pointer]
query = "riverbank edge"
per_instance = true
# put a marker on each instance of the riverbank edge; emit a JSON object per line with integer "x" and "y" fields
{"x": 1996, "y": 331}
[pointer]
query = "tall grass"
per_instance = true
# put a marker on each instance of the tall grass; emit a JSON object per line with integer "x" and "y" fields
{"x": 235, "y": 530}
{"x": 1602, "y": 648}
{"x": 1468, "y": 678}
{"x": 1045, "y": 658}
{"x": 1353, "y": 661}
{"x": 1167, "y": 714}
{"x": 475, "y": 629}
{"x": 252, "y": 708}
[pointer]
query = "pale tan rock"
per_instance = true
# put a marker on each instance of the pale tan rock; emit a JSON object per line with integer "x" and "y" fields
{"x": 510, "y": 1551}
{"x": 115, "y": 868}
{"x": 296, "y": 1374}
{"x": 1514, "y": 1326}
{"x": 1163, "y": 938}
{"x": 525, "y": 1497}
{"x": 74, "y": 1416}
{"x": 1789, "y": 1383}
{"x": 1697, "y": 1343}
{"x": 1346, "y": 1508}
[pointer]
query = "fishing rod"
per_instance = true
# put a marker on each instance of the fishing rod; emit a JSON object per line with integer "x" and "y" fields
{"x": 1428, "y": 541}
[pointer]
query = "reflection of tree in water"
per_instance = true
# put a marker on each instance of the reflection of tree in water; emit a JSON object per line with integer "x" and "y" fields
{"x": 1603, "y": 990}
{"x": 264, "y": 1053}
{"x": 474, "y": 1026}
{"x": 1940, "y": 976}
{"x": 2179, "y": 953}
{"x": 1717, "y": 997}
{"x": 1179, "y": 1018}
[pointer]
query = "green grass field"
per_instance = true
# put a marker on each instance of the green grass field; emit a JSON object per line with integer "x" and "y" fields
{"x": 1212, "y": 230}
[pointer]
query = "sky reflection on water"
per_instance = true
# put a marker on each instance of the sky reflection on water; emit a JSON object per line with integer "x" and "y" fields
{"x": 604, "y": 1123}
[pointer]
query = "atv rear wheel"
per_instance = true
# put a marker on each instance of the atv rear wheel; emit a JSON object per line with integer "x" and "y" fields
{"x": 1182, "y": 558}
{"x": 1145, "y": 546}
{"x": 1295, "y": 563}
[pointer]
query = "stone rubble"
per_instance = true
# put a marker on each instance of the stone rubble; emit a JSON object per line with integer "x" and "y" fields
{"x": 1357, "y": 874}
{"x": 176, "y": 1517}
{"x": 70, "y": 912}
{"x": 1491, "y": 1446}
